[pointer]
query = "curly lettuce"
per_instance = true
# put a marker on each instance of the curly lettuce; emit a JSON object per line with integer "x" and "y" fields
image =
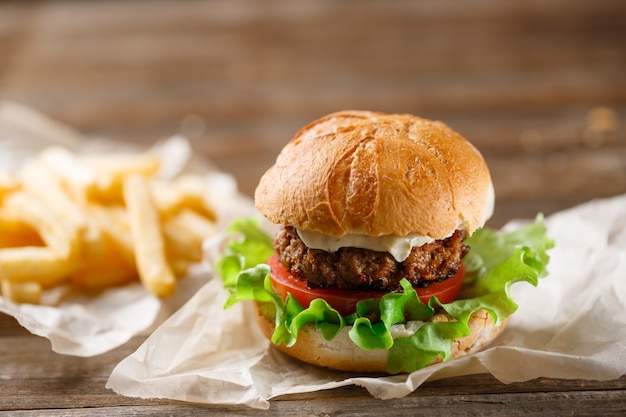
{"x": 497, "y": 260}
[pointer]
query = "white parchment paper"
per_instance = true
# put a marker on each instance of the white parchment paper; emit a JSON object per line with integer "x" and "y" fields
{"x": 573, "y": 325}
{"x": 89, "y": 325}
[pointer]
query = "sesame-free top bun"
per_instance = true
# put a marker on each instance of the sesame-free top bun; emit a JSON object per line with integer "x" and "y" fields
{"x": 342, "y": 354}
{"x": 376, "y": 174}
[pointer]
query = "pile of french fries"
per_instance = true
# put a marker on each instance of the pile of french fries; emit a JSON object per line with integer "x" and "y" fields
{"x": 94, "y": 222}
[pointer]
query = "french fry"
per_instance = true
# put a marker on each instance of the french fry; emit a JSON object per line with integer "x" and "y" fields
{"x": 195, "y": 224}
{"x": 181, "y": 245}
{"x": 15, "y": 232}
{"x": 94, "y": 243}
{"x": 112, "y": 170}
{"x": 194, "y": 188}
{"x": 185, "y": 233}
{"x": 105, "y": 268}
{"x": 24, "y": 236}
{"x": 21, "y": 292}
{"x": 103, "y": 265}
{"x": 113, "y": 222}
{"x": 58, "y": 232}
{"x": 96, "y": 279}
{"x": 179, "y": 266}
{"x": 190, "y": 227}
{"x": 76, "y": 177}
{"x": 51, "y": 192}
{"x": 166, "y": 197}
{"x": 185, "y": 192}
{"x": 119, "y": 166}
{"x": 30, "y": 263}
{"x": 154, "y": 271}
{"x": 98, "y": 177}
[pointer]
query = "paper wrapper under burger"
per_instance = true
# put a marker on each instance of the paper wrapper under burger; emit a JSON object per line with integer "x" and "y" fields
{"x": 573, "y": 325}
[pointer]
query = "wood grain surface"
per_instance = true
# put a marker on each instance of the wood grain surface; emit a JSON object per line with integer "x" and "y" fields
{"x": 538, "y": 86}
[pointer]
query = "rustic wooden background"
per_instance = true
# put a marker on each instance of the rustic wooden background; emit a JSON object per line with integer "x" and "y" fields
{"x": 538, "y": 86}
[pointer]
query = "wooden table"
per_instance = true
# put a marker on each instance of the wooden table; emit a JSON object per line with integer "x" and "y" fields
{"x": 539, "y": 87}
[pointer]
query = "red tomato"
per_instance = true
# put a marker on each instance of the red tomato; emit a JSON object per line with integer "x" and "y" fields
{"x": 344, "y": 301}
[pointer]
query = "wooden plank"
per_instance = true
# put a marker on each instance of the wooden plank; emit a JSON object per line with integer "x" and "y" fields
{"x": 483, "y": 69}
{"x": 448, "y": 394}
{"x": 579, "y": 404}
{"x": 9, "y": 327}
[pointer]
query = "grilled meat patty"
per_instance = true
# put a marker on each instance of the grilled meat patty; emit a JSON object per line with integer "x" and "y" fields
{"x": 364, "y": 269}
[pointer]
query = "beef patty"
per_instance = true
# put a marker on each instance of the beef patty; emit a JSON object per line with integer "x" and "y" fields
{"x": 364, "y": 269}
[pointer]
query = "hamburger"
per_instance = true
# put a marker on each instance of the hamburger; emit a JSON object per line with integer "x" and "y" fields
{"x": 374, "y": 266}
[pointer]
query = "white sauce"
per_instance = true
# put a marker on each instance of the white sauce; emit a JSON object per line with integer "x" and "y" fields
{"x": 398, "y": 246}
{"x": 408, "y": 329}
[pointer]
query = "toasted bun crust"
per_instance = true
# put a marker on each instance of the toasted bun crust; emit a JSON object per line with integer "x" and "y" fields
{"x": 376, "y": 174}
{"x": 341, "y": 354}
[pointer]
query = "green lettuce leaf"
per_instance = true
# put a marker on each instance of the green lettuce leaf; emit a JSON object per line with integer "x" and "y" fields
{"x": 497, "y": 259}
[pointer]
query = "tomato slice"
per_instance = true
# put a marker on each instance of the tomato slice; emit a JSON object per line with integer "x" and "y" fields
{"x": 344, "y": 301}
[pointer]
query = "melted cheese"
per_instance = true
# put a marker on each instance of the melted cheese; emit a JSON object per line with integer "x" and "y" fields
{"x": 398, "y": 246}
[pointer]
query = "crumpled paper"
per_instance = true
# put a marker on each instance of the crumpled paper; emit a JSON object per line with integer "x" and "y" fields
{"x": 573, "y": 325}
{"x": 83, "y": 325}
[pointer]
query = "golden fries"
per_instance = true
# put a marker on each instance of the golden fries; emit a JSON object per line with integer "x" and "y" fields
{"x": 94, "y": 222}
{"x": 59, "y": 232}
{"x": 185, "y": 192}
{"x": 113, "y": 222}
{"x": 144, "y": 221}
{"x": 97, "y": 178}
{"x": 21, "y": 292}
{"x": 15, "y": 231}
{"x": 35, "y": 263}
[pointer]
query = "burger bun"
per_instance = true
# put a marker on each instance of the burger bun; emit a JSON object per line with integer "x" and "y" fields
{"x": 342, "y": 354}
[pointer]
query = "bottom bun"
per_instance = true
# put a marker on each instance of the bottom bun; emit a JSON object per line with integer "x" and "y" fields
{"x": 342, "y": 354}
